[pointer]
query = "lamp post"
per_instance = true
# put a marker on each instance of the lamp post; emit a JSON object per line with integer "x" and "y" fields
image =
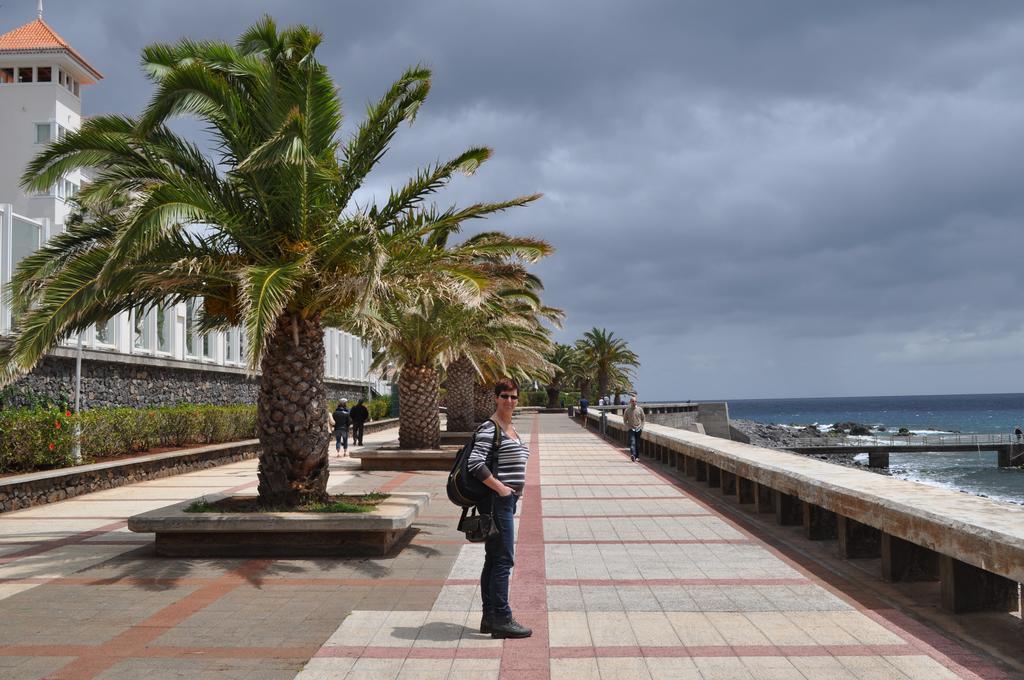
{"x": 369, "y": 357}
{"x": 77, "y": 451}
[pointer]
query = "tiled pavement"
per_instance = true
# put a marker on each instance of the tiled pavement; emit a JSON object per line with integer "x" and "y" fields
{"x": 622, "y": 574}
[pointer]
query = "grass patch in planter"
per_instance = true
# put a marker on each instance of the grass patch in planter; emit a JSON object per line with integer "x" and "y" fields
{"x": 348, "y": 503}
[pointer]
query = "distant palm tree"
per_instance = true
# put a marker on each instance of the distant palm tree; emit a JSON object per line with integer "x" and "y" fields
{"x": 266, "y": 235}
{"x": 604, "y": 356}
{"x": 484, "y": 358}
{"x": 566, "y": 361}
{"x": 420, "y": 338}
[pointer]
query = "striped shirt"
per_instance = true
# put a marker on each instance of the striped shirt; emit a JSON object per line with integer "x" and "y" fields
{"x": 512, "y": 456}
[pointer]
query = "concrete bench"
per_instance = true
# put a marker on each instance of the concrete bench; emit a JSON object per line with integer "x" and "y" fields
{"x": 279, "y": 534}
{"x": 974, "y": 546}
{"x": 405, "y": 460}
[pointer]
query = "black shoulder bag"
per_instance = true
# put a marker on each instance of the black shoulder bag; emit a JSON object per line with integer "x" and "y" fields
{"x": 479, "y": 526}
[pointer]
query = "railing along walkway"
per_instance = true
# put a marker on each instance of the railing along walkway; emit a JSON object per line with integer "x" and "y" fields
{"x": 974, "y": 546}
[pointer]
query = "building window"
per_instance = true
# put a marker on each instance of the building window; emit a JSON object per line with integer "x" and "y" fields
{"x": 44, "y": 74}
{"x": 190, "y": 328}
{"x": 42, "y": 133}
{"x": 25, "y": 74}
{"x": 140, "y": 326}
{"x": 208, "y": 346}
{"x": 231, "y": 346}
{"x": 163, "y": 329}
{"x": 105, "y": 332}
{"x": 6, "y": 75}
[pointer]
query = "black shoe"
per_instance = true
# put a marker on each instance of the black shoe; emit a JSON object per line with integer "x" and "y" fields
{"x": 486, "y": 626}
{"x": 509, "y": 629}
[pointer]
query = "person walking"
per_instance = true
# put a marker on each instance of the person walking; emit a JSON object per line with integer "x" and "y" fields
{"x": 359, "y": 415}
{"x": 339, "y": 421}
{"x": 584, "y": 405}
{"x": 633, "y": 417}
{"x": 507, "y": 483}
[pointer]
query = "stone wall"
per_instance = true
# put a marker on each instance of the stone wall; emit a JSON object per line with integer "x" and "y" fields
{"x": 37, "y": 488}
{"x": 145, "y": 382}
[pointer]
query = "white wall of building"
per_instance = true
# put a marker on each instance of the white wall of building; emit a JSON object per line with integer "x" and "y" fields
{"x": 31, "y": 114}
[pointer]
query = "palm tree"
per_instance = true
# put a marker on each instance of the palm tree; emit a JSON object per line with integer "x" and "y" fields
{"x": 604, "y": 355}
{"x": 266, "y": 235}
{"x": 519, "y": 355}
{"x": 566, "y": 361}
{"x": 421, "y": 338}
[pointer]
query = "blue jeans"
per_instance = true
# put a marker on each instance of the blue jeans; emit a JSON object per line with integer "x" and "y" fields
{"x": 341, "y": 439}
{"x": 634, "y": 443}
{"x": 499, "y": 557}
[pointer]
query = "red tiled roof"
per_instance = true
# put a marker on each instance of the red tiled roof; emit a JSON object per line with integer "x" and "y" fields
{"x": 38, "y": 36}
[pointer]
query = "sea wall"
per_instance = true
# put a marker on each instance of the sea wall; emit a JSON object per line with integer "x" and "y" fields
{"x": 973, "y": 546}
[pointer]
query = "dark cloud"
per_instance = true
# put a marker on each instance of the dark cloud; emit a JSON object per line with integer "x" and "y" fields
{"x": 766, "y": 199}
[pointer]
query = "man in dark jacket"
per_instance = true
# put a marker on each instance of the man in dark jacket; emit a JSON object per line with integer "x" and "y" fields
{"x": 339, "y": 420}
{"x": 359, "y": 414}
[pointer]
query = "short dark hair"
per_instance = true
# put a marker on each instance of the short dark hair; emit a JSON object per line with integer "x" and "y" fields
{"x": 506, "y": 385}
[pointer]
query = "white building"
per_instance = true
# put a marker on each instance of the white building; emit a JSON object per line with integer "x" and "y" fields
{"x": 42, "y": 81}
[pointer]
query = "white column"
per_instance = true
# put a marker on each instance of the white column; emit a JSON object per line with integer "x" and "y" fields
{"x": 6, "y": 227}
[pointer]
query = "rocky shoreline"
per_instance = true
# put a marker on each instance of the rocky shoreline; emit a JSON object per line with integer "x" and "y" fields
{"x": 780, "y": 436}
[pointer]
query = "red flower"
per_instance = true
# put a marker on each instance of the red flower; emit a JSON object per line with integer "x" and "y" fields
{"x": 56, "y": 424}
{"x": 67, "y": 413}
{"x": 52, "y": 446}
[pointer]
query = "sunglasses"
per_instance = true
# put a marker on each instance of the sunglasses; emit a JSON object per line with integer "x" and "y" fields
{"x": 513, "y": 397}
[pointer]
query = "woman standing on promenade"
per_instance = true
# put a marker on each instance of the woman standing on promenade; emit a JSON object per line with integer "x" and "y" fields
{"x": 507, "y": 482}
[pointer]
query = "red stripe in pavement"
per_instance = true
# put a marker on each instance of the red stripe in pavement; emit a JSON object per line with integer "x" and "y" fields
{"x": 529, "y": 659}
{"x": 632, "y": 516}
{"x": 36, "y": 518}
{"x": 658, "y": 541}
{"x": 47, "y": 546}
{"x": 597, "y": 499}
{"x": 410, "y": 652}
{"x": 612, "y": 484}
{"x": 397, "y": 481}
{"x": 678, "y": 582}
{"x": 733, "y": 651}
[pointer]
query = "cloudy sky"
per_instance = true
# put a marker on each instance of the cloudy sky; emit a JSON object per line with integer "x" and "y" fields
{"x": 766, "y": 199}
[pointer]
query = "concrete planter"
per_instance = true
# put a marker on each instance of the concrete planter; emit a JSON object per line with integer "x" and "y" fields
{"x": 279, "y": 534}
{"x": 405, "y": 460}
{"x": 455, "y": 438}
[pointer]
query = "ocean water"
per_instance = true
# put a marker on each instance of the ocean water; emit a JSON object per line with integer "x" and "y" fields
{"x": 975, "y": 472}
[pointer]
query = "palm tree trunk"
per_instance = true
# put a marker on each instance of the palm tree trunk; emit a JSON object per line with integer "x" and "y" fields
{"x": 584, "y": 387}
{"x": 483, "y": 402}
{"x": 461, "y": 376}
{"x": 553, "y": 393}
{"x": 419, "y": 426}
{"x": 292, "y": 415}
{"x": 602, "y": 383}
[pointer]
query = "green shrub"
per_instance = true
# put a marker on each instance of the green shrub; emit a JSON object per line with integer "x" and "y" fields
{"x": 43, "y": 438}
{"x": 380, "y": 408}
{"x": 35, "y": 439}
